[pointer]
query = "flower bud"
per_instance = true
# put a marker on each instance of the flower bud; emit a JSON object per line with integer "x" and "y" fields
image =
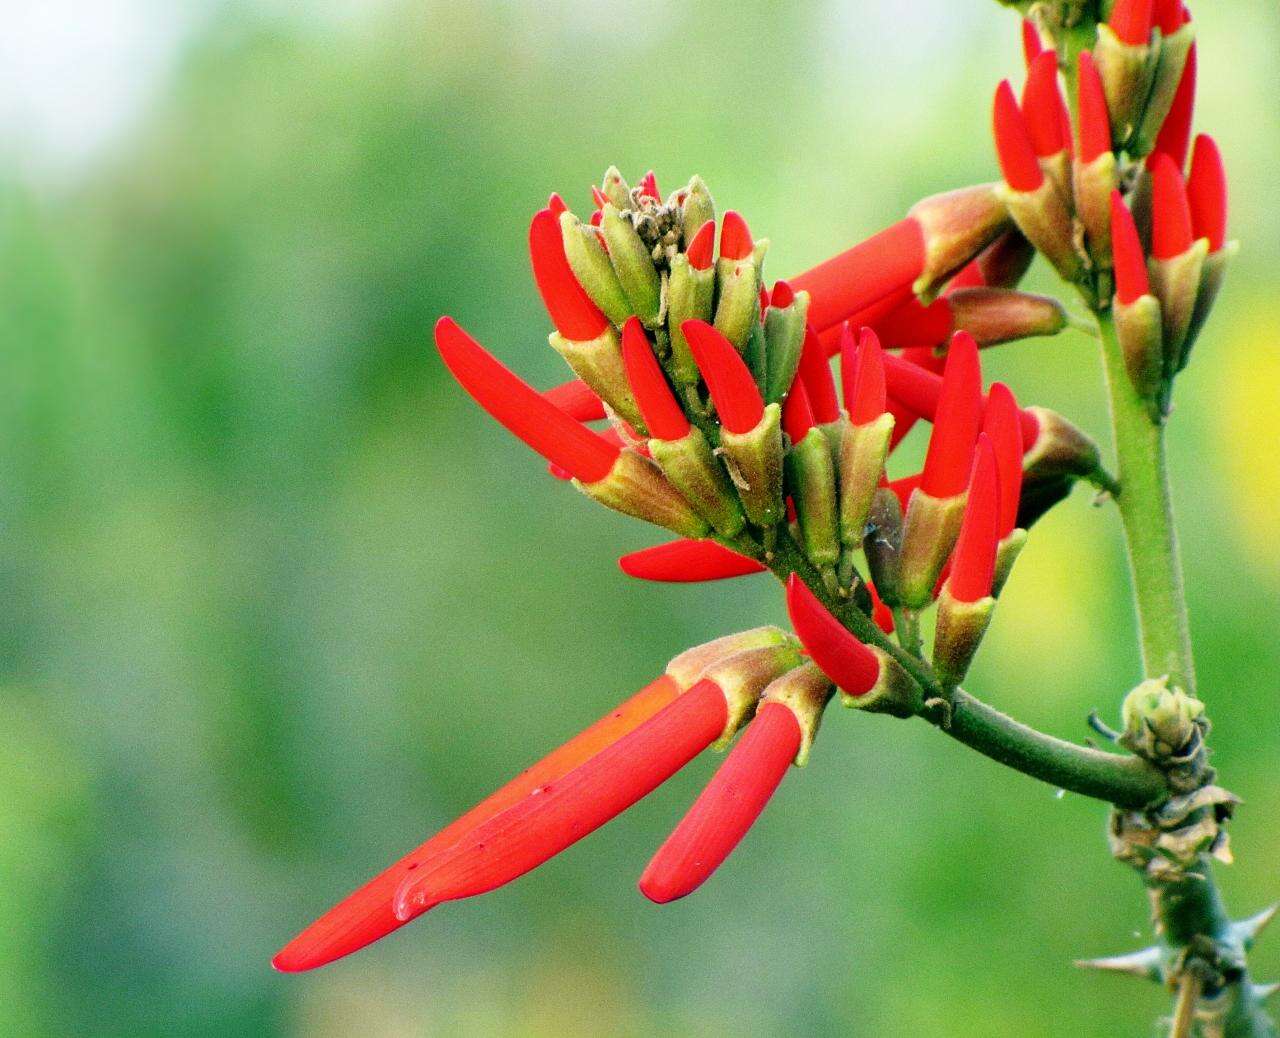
{"x": 1161, "y": 722}
{"x": 694, "y": 471}
{"x": 755, "y": 461}
{"x": 956, "y": 226}
{"x": 882, "y": 541}
{"x": 961, "y": 626}
{"x": 591, "y": 266}
{"x": 1171, "y": 62}
{"x": 738, "y": 281}
{"x": 744, "y": 676}
{"x": 996, "y": 315}
{"x": 634, "y": 266}
{"x": 635, "y": 486}
{"x": 690, "y": 292}
{"x": 811, "y": 482}
{"x": 697, "y": 209}
{"x": 614, "y": 189}
{"x": 784, "y": 332}
{"x": 688, "y": 667}
{"x": 863, "y": 450}
{"x": 1136, "y": 310}
{"x": 1177, "y": 259}
{"x": 805, "y": 691}
{"x": 1007, "y": 553}
{"x": 688, "y": 562}
{"x": 1095, "y": 171}
{"x": 598, "y": 362}
{"x": 929, "y": 532}
{"x": 1127, "y": 70}
{"x": 1059, "y": 449}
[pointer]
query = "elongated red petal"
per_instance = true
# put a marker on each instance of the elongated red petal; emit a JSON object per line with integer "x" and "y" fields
{"x": 1001, "y": 426}
{"x": 783, "y": 295}
{"x": 880, "y": 613}
{"x": 558, "y": 813}
{"x": 1130, "y": 263}
{"x": 848, "y": 361}
{"x": 578, "y": 400}
{"x": 573, "y": 313}
{"x": 815, "y": 372}
{"x": 367, "y": 914}
{"x": 1175, "y": 132}
{"x": 687, "y": 562}
{"x": 736, "y": 242}
{"x": 701, "y": 250}
{"x": 865, "y": 399}
{"x": 1168, "y": 15}
{"x": 797, "y": 413}
{"x": 733, "y": 389}
{"x": 556, "y": 204}
{"x": 957, "y": 421}
{"x": 1131, "y": 21}
{"x": 599, "y": 197}
{"x": 973, "y": 563}
{"x": 1095, "y": 123}
{"x": 913, "y": 324}
{"x": 525, "y": 412}
{"x": 649, "y": 186}
{"x": 1171, "y": 233}
{"x": 663, "y": 416}
{"x": 1207, "y": 193}
{"x": 1042, "y": 105}
{"x": 844, "y": 286}
{"x": 844, "y": 659}
{"x": 726, "y": 808}
{"x": 1031, "y": 45}
{"x": 1017, "y": 157}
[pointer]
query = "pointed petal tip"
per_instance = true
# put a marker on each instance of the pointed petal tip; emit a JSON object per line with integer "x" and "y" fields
{"x": 1131, "y": 21}
{"x": 1042, "y": 105}
{"x": 732, "y": 386}
{"x": 1095, "y": 121}
{"x": 736, "y": 242}
{"x": 842, "y": 657}
{"x": 1207, "y": 192}
{"x": 1017, "y": 156}
{"x": 1171, "y": 232}
{"x": 700, "y": 251}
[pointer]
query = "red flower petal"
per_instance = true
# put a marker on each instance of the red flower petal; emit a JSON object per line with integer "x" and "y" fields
{"x": 367, "y": 914}
{"x": 1175, "y": 132}
{"x": 1017, "y": 157}
{"x": 797, "y": 414}
{"x": 557, "y": 814}
{"x": 1042, "y": 105}
{"x": 736, "y": 242}
{"x": 525, "y": 412}
{"x": 701, "y": 248}
{"x": 1171, "y": 233}
{"x": 1031, "y": 45}
{"x": 732, "y": 387}
{"x": 957, "y": 421}
{"x": 913, "y": 324}
{"x": 880, "y": 613}
{"x": 865, "y": 398}
{"x": 578, "y": 400}
{"x": 783, "y": 295}
{"x": 573, "y": 313}
{"x": 649, "y": 186}
{"x": 1130, "y": 263}
{"x": 663, "y": 416}
{"x": 973, "y": 563}
{"x": 1207, "y": 193}
{"x": 1095, "y": 123}
{"x": 845, "y": 660}
{"x": 726, "y": 808}
{"x": 1169, "y": 15}
{"x": 815, "y": 372}
{"x": 1131, "y": 21}
{"x": 1000, "y": 425}
{"x": 687, "y": 562}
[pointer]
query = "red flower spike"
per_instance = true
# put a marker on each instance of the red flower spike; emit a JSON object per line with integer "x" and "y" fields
{"x": 866, "y": 402}
{"x": 1031, "y": 45}
{"x": 558, "y": 813}
{"x": 1042, "y": 105}
{"x": 973, "y": 563}
{"x": 1169, "y": 16}
{"x": 736, "y": 242}
{"x": 649, "y": 186}
{"x": 1095, "y": 123}
{"x": 797, "y": 414}
{"x": 687, "y": 562}
{"x": 663, "y": 416}
{"x": 578, "y": 400}
{"x": 853, "y": 667}
{"x": 573, "y": 313}
{"x": 702, "y": 248}
{"x": 1017, "y": 157}
{"x": 733, "y": 389}
{"x": 1000, "y": 425}
{"x": 1131, "y": 21}
{"x": 367, "y": 915}
{"x": 815, "y": 372}
{"x": 525, "y": 412}
{"x": 1171, "y": 233}
{"x": 1207, "y": 193}
{"x": 956, "y": 422}
{"x": 883, "y": 266}
{"x": 1130, "y": 264}
{"x": 726, "y": 808}
{"x": 783, "y": 295}
{"x": 1175, "y": 132}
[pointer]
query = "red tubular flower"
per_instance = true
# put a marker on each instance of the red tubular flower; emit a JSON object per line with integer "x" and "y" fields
{"x": 1130, "y": 264}
{"x": 687, "y": 562}
{"x": 1207, "y": 193}
{"x": 865, "y": 395}
{"x": 554, "y": 815}
{"x": 367, "y": 915}
{"x": 853, "y": 667}
{"x": 1175, "y": 132}
{"x": 726, "y": 808}
{"x": 664, "y": 418}
{"x": 701, "y": 250}
{"x": 736, "y": 242}
{"x": 1043, "y": 106}
{"x": 525, "y": 412}
{"x": 649, "y": 187}
{"x": 881, "y": 268}
{"x": 1169, "y": 16}
{"x": 973, "y": 563}
{"x": 1171, "y": 233}
{"x": 1095, "y": 123}
{"x": 815, "y": 373}
{"x": 577, "y": 399}
{"x": 1131, "y": 21}
{"x": 733, "y": 388}
{"x": 919, "y": 390}
{"x": 957, "y": 421}
{"x": 915, "y": 324}
{"x": 1014, "y": 150}
{"x": 1001, "y": 427}
{"x": 573, "y": 313}
{"x": 797, "y": 414}
{"x": 1031, "y": 45}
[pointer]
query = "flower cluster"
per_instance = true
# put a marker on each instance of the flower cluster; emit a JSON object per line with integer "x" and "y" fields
{"x": 724, "y": 423}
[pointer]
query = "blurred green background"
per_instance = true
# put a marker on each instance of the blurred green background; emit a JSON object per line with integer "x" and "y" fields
{"x": 280, "y": 601}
